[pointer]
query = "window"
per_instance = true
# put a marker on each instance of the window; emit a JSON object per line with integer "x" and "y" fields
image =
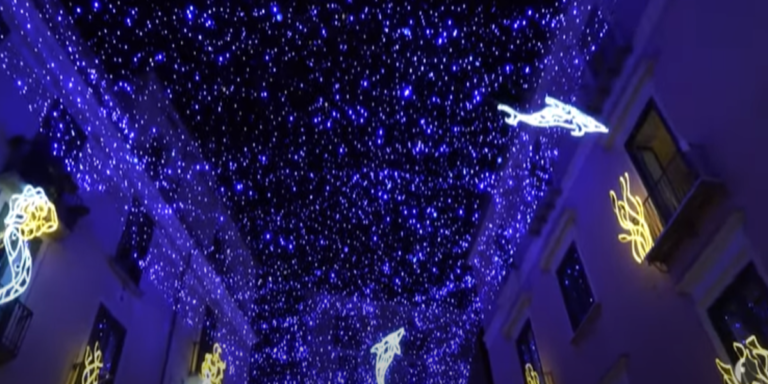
{"x": 574, "y": 285}
{"x": 4, "y": 29}
{"x": 660, "y": 163}
{"x": 207, "y": 338}
{"x": 135, "y": 241}
{"x": 741, "y": 311}
{"x": 110, "y": 335}
{"x": 216, "y": 256}
{"x": 65, "y": 135}
{"x": 527, "y": 350}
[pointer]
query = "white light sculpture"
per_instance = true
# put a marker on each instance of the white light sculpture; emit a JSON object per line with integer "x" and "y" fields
{"x": 31, "y": 214}
{"x": 385, "y": 352}
{"x": 555, "y": 114}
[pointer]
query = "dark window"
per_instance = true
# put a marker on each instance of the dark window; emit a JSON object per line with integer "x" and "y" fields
{"x": 574, "y": 284}
{"x": 65, "y": 135}
{"x": 594, "y": 29}
{"x": 527, "y": 350}
{"x": 207, "y": 338}
{"x": 4, "y": 29}
{"x": 216, "y": 256}
{"x": 660, "y": 163}
{"x": 110, "y": 335}
{"x": 135, "y": 241}
{"x": 741, "y": 311}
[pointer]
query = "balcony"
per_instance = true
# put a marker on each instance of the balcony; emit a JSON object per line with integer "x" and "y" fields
{"x": 34, "y": 163}
{"x": 677, "y": 203}
{"x": 14, "y": 322}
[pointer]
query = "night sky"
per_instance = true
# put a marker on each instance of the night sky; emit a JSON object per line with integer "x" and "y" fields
{"x": 356, "y": 143}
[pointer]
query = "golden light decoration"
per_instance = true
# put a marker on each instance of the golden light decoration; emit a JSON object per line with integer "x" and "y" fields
{"x": 93, "y": 363}
{"x": 752, "y": 366}
{"x": 632, "y": 217}
{"x": 531, "y": 377}
{"x": 31, "y": 214}
{"x": 212, "y": 370}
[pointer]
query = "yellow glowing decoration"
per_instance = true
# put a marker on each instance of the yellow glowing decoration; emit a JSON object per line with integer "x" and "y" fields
{"x": 531, "y": 377}
{"x": 212, "y": 370}
{"x": 93, "y": 363}
{"x": 631, "y": 214}
{"x": 31, "y": 214}
{"x": 752, "y": 367}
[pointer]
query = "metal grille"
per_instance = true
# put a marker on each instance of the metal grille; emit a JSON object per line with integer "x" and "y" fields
{"x": 14, "y": 321}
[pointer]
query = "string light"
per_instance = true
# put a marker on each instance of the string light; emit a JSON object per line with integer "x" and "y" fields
{"x": 30, "y": 215}
{"x": 212, "y": 369}
{"x": 92, "y": 365}
{"x": 555, "y": 114}
{"x": 631, "y": 215}
{"x": 385, "y": 352}
{"x": 752, "y": 366}
{"x": 350, "y": 175}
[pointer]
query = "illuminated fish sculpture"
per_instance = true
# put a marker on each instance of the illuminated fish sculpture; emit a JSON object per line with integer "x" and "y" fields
{"x": 385, "y": 352}
{"x": 31, "y": 214}
{"x": 555, "y": 114}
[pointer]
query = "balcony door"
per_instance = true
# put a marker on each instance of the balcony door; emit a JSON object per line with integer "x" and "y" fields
{"x": 660, "y": 163}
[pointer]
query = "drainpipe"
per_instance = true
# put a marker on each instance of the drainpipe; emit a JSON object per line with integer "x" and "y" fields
{"x": 169, "y": 342}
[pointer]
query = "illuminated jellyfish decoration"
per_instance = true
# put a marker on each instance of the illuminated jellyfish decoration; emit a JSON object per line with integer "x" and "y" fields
{"x": 531, "y": 377}
{"x": 92, "y": 365}
{"x": 632, "y": 218}
{"x": 212, "y": 370}
{"x": 752, "y": 366}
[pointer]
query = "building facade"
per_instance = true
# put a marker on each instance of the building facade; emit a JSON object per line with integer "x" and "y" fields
{"x": 132, "y": 286}
{"x": 652, "y": 262}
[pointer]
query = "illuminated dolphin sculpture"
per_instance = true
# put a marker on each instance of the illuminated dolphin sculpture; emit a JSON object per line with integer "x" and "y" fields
{"x": 385, "y": 352}
{"x": 31, "y": 214}
{"x": 555, "y": 114}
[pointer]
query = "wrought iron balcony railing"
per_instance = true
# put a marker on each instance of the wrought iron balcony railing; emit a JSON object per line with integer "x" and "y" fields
{"x": 15, "y": 318}
{"x": 677, "y": 201}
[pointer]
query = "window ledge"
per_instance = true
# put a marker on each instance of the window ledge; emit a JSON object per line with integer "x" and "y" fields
{"x": 583, "y": 330}
{"x": 128, "y": 283}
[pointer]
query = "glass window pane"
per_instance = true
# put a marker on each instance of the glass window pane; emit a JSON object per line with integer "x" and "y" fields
{"x": 527, "y": 350}
{"x": 574, "y": 284}
{"x": 741, "y": 311}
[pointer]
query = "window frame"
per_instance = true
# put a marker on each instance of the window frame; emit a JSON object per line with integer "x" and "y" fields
{"x": 732, "y": 290}
{"x": 527, "y": 331}
{"x": 572, "y": 251}
{"x": 721, "y": 260}
{"x": 206, "y": 339}
{"x": 124, "y": 254}
{"x": 113, "y": 324}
